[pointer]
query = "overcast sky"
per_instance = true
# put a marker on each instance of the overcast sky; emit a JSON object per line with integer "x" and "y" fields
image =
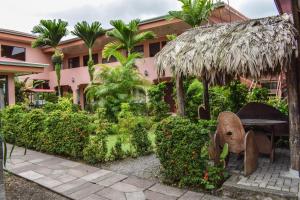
{"x": 22, "y": 15}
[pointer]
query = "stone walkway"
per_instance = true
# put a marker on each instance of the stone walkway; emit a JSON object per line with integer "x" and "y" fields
{"x": 269, "y": 178}
{"x": 80, "y": 181}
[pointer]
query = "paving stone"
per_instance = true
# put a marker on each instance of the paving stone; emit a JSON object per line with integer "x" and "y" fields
{"x": 150, "y": 195}
{"x": 95, "y": 197}
{"x": 112, "y": 194}
{"x": 66, "y": 178}
{"x": 25, "y": 168}
{"x": 124, "y": 187}
{"x": 31, "y": 175}
{"x": 69, "y": 164}
{"x": 48, "y": 182}
{"x": 76, "y": 173}
{"x": 96, "y": 175}
{"x": 135, "y": 196}
{"x": 191, "y": 196}
{"x": 210, "y": 197}
{"x": 67, "y": 186}
{"x": 138, "y": 182}
{"x": 171, "y": 191}
{"x": 38, "y": 160}
{"x": 81, "y": 193}
{"x": 112, "y": 179}
{"x": 43, "y": 170}
{"x": 86, "y": 168}
{"x": 16, "y": 166}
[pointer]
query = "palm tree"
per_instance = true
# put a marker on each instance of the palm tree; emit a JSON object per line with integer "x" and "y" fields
{"x": 194, "y": 13}
{"x": 126, "y": 37}
{"x": 50, "y": 33}
{"x": 89, "y": 33}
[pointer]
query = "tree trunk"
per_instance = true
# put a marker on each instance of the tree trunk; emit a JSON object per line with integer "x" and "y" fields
{"x": 206, "y": 96}
{"x": 180, "y": 94}
{"x": 294, "y": 117}
{"x": 293, "y": 76}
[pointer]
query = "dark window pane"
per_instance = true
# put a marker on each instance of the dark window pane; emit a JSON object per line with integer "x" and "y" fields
{"x": 111, "y": 59}
{"x": 163, "y": 43}
{"x": 86, "y": 59}
{"x": 154, "y": 48}
{"x": 41, "y": 84}
{"x": 139, "y": 49}
{"x": 17, "y": 53}
{"x": 73, "y": 62}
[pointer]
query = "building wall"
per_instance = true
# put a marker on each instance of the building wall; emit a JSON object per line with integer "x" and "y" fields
{"x": 33, "y": 55}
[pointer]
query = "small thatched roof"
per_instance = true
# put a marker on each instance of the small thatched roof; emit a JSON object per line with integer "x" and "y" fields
{"x": 250, "y": 48}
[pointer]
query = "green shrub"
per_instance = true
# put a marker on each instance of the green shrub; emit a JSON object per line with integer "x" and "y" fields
{"x": 237, "y": 96}
{"x": 33, "y": 127}
{"x": 63, "y": 104}
{"x": 258, "y": 95}
{"x": 179, "y": 145}
{"x": 140, "y": 139}
{"x": 182, "y": 151}
{"x": 157, "y": 105}
{"x": 117, "y": 152}
{"x": 12, "y": 123}
{"x": 280, "y": 104}
{"x": 193, "y": 97}
{"x": 66, "y": 133}
{"x": 219, "y": 100}
{"x": 96, "y": 150}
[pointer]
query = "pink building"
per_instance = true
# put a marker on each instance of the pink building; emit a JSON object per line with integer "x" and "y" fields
{"x": 74, "y": 76}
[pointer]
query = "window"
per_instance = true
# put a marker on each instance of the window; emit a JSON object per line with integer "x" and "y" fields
{"x": 271, "y": 85}
{"x": 73, "y": 62}
{"x": 154, "y": 48}
{"x": 139, "y": 49}
{"x": 111, "y": 59}
{"x": 17, "y": 53}
{"x": 41, "y": 84}
{"x": 86, "y": 59}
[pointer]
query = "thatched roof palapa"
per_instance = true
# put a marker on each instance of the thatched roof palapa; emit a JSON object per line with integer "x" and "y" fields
{"x": 250, "y": 48}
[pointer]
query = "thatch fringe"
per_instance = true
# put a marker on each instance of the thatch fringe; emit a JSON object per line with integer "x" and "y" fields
{"x": 219, "y": 52}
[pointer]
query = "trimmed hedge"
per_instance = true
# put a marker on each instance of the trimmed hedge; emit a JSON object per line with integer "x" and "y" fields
{"x": 62, "y": 132}
{"x": 182, "y": 150}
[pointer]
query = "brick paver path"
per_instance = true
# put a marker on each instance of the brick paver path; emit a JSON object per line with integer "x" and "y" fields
{"x": 79, "y": 181}
{"x": 270, "y": 177}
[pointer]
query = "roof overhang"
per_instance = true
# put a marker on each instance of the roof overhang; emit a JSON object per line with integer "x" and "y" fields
{"x": 21, "y": 67}
{"x": 35, "y": 90}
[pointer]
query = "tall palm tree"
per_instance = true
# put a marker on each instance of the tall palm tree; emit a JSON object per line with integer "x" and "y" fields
{"x": 194, "y": 13}
{"x": 50, "y": 33}
{"x": 126, "y": 37}
{"x": 89, "y": 33}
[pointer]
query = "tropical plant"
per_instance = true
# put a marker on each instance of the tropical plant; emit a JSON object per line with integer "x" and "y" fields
{"x": 193, "y": 12}
{"x": 89, "y": 33}
{"x": 126, "y": 37}
{"x": 116, "y": 85}
{"x": 50, "y": 33}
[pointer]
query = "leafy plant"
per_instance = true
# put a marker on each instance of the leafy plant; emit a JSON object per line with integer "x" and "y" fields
{"x": 117, "y": 85}
{"x": 117, "y": 151}
{"x": 157, "y": 105}
{"x": 237, "y": 96}
{"x": 179, "y": 145}
{"x": 193, "y": 97}
{"x": 258, "y": 95}
{"x": 140, "y": 139}
{"x": 96, "y": 149}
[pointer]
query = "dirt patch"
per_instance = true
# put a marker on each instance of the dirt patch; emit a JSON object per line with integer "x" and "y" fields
{"x": 20, "y": 189}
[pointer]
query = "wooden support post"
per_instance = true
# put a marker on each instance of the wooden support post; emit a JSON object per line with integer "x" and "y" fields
{"x": 180, "y": 94}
